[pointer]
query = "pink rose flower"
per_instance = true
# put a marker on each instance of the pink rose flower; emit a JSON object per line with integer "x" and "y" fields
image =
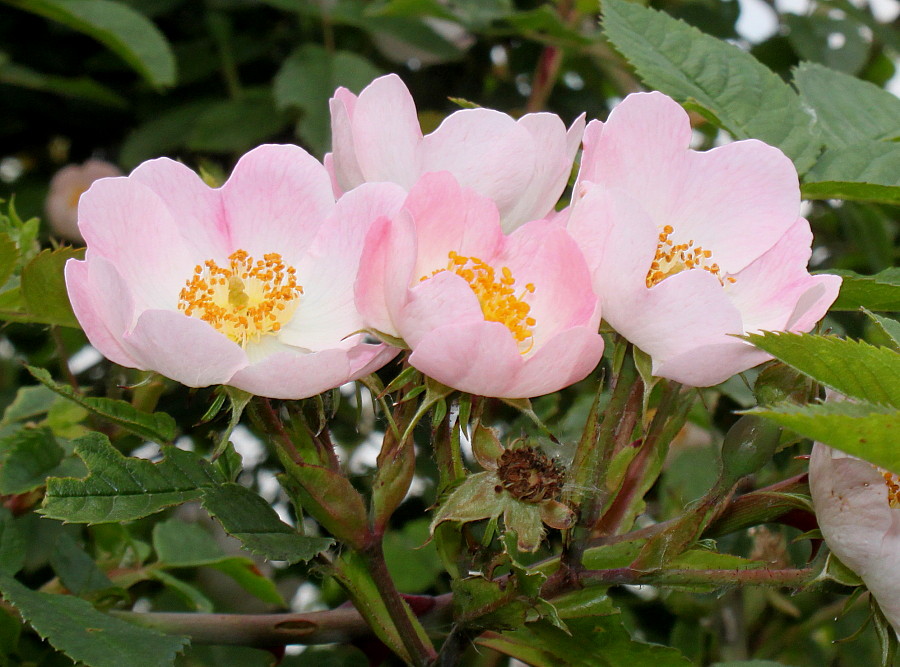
{"x": 249, "y": 285}
{"x": 858, "y": 509}
{"x": 689, "y": 248}
{"x": 490, "y": 314}
{"x": 523, "y": 166}
{"x": 66, "y": 188}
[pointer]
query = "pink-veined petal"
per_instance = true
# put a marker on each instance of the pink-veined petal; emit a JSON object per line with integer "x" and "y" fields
{"x": 290, "y": 375}
{"x": 185, "y": 349}
{"x": 275, "y": 200}
{"x": 479, "y": 358}
{"x": 448, "y": 217}
{"x": 710, "y": 364}
{"x": 485, "y": 150}
{"x": 555, "y": 148}
{"x": 385, "y": 272}
{"x": 327, "y": 313}
{"x": 342, "y": 163}
{"x": 544, "y": 255}
{"x": 563, "y": 360}
{"x": 441, "y": 300}
{"x": 129, "y": 225}
{"x": 103, "y": 306}
{"x": 386, "y": 133}
{"x": 195, "y": 207}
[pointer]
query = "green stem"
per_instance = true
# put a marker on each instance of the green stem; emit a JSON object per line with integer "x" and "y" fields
{"x": 588, "y": 490}
{"x": 420, "y": 652}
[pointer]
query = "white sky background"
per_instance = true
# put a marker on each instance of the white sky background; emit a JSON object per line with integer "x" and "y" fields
{"x": 758, "y": 21}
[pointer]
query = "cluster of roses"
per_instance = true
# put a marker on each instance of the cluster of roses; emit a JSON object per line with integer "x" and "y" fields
{"x": 295, "y": 276}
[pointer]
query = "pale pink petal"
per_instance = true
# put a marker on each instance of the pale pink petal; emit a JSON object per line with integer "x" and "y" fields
{"x": 386, "y": 133}
{"x": 103, "y": 306}
{"x": 736, "y": 200}
{"x": 327, "y": 272}
{"x": 640, "y": 149}
{"x": 275, "y": 200}
{"x": 769, "y": 291}
{"x": 439, "y": 301}
{"x": 289, "y": 375}
{"x": 342, "y": 163}
{"x": 543, "y": 254}
{"x": 710, "y": 364}
{"x": 564, "y": 360}
{"x": 679, "y": 314}
{"x": 485, "y": 150}
{"x": 448, "y": 217}
{"x": 129, "y": 225}
{"x": 186, "y": 349}
{"x": 556, "y": 150}
{"x": 385, "y": 272}
{"x": 479, "y": 358}
{"x": 619, "y": 242}
{"x": 196, "y": 208}
{"x": 859, "y": 525}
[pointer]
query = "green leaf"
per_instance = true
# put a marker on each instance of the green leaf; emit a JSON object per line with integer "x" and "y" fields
{"x": 867, "y": 431}
{"x": 853, "y": 368}
{"x": 888, "y": 327}
{"x": 179, "y": 544}
{"x": 859, "y": 172}
{"x": 595, "y": 641}
{"x": 12, "y": 544}
{"x": 119, "y": 488}
{"x": 158, "y": 426}
{"x": 44, "y": 287}
{"x": 80, "y": 87}
{"x": 191, "y": 595}
{"x": 76, "y": 569}
{"x": 812, "y": 39}
{"x": 726, "y": 84}
{"x": 127, "y": 33}
{"x": 29, "y": 402}
{"x": 749, "y": 663}
{"x": 252, "y": 520}
{"x": 234, "y": 126}
{"x": 9, "y": 251}
{"x": 879, "y": 292}
{"x": 848, "y": 110}
{"x": 27, "y": 457}
{"x": 86, "y": 635}
{"x": 411, "y": 557}
{"x": 306, "y": 81}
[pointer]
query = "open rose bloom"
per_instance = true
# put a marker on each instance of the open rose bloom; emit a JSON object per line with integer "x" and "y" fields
{"x": 858, "y": 509}
{"x": 249, "y": 285}
{"x": 523, "y": 166}
{"x": 508, "y": 316}
{"x": 687, "y": 248}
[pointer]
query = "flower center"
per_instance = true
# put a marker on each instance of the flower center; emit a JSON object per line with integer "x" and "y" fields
{"x": 529, "y": 475}
{"x": 672, "y": 258}
{"x": 497, "y": 296}
{"x": 892, "y": 482}
{"x": 246, "y": 300}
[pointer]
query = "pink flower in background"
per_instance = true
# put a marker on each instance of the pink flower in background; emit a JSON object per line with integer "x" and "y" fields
{"x": 249, "y": 285}
{"x": 858, "y": 509}
{"x": 523, "y": 166}
{"x": 506, "y": 316}
{"x": 66, "y": 188}
{"x": 687, "y": 248}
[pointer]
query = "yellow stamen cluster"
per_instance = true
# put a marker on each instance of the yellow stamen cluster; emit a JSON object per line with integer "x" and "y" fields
{"x": 245, "y": 300}
{"x": 893, "y": 486}
{"x": 497, "y": 296}
{"x": 672, "y": 258}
